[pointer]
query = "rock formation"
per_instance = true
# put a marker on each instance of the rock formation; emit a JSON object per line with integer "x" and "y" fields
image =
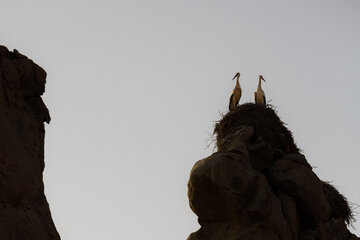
{"x": 24, "y": 210}
{"x": 258, "y": 186}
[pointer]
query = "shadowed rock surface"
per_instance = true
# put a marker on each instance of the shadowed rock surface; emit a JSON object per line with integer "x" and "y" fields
{"x": 258, "y": 186}
{"x": 24, "y": 210}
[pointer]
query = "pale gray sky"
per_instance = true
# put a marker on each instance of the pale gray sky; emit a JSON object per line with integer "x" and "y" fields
{"x": 134, "y": 87}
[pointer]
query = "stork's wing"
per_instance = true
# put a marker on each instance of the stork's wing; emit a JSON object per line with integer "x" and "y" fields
{"x": 231, "y": 101}
{"x": 264, "y": 100}
{"x": 255, "y": 97}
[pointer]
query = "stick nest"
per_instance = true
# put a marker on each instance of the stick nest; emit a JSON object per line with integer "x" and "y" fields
{"x": 266, "y": 123}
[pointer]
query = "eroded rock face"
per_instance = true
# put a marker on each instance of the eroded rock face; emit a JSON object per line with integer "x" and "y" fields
{"x": 258, "y": 187}
{"x": 24, "y": 210}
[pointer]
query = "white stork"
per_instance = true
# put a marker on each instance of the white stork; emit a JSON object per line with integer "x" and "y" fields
{"x": 259, "y": 94}
{"x": 236, "y": 94}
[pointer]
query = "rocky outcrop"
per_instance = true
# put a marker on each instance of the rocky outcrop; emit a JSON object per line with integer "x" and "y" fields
{"x": 24, "y": 210}
{"x": 259, "y": 186}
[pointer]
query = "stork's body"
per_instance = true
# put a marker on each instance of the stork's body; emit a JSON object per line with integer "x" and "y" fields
{"x": 236, "y": 94}
{"x": 259, "y": 94}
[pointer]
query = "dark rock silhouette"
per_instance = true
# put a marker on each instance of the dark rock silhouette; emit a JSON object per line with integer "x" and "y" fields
{"x": 258, "y": 186}
{"x": 24, "y": 210}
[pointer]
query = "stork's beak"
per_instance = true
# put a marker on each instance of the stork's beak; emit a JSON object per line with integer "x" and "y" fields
{"x": 237, "y": 74}
{"x": 261, "y": 77}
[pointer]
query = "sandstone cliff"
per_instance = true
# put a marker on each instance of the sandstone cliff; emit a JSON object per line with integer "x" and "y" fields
{"x": 258, "y": 186}
{"x": 24, "y": 210}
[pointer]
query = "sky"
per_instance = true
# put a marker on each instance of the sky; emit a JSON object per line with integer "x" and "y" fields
{"x": 134, "y": 88}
